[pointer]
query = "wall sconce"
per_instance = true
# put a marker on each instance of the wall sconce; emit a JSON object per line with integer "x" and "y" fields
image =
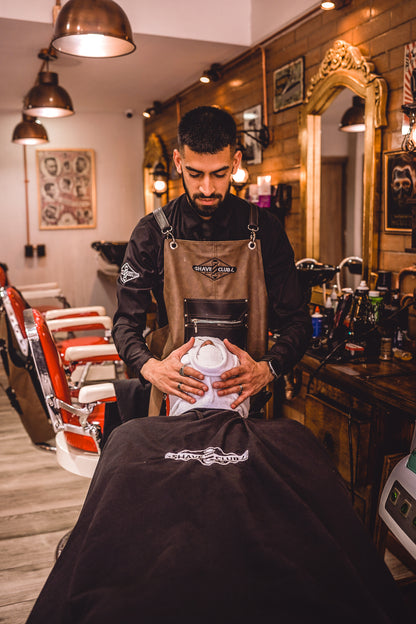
{"x": 160, "y": 177}
{"x": 329, "y": 5}
{"x": 47, "y": 98}
{"x": 29, "y": 131}
{"x": 93, "y": 29}
{"x": 212, "y": 74}
{"x": 239, "y": 179}
{"x": 353, "y": 120}
{"x": 153, "y": 110}
{"x": 260, "y": 135}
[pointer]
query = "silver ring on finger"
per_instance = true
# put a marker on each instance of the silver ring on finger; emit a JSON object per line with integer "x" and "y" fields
{"x": 179, "y": 387}
{"x": 240, "y": 390}
{"x": 181, "y": 371}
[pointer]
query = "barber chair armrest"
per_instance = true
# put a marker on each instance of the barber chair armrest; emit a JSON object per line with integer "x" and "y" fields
{"x": 43, "y": 286}
{"x": 80, "y": 323}
{"x": 53, "y": 293}
{"x": 96, "y": 392}
{"x": 59, "y": 313}
{"x": 92, "y": 353}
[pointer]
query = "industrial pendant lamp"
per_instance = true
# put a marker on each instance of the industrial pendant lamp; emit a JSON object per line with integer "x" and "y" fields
{"x": 29, "y": 131}
{"x": 93, "y": 28}
{"x": 47, "y": 98}
{"x": 353, "y": 120}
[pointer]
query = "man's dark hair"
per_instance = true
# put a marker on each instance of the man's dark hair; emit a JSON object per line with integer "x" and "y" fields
{"x": 207, "y": 130}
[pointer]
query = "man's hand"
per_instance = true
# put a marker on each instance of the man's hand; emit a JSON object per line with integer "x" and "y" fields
{"x": 170, "y": 377}
{"x": 246, "y": 379}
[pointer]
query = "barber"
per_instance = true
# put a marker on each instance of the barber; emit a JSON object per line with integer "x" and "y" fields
{"x": 210, "y": 248}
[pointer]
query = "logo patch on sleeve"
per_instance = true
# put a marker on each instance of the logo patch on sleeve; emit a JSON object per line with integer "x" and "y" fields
{"x": 127, "y": 273}
{"x": 214, "y": 269}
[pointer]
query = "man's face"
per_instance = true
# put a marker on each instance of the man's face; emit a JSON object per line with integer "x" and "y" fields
{"x": 402, "y": 183}
{"x": 206, "y": 177}
{"x": 51, "y": 166}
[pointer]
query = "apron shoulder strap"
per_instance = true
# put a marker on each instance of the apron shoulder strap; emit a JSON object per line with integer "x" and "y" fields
{"x": 165, "y": 227}
{"x": 254, "y": 216}
{"x": 253, "y": 225}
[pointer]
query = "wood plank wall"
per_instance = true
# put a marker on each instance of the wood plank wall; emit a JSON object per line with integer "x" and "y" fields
{"x": 380, "y": 28}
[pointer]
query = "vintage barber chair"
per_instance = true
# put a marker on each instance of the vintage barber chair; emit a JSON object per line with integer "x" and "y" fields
{"x": 36, "y": 293}
{"x": 77, "y": 424}
{"x": 24, "y": 392}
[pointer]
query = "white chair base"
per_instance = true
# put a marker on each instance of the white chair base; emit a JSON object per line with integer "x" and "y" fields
{"x": 74, "y": 460}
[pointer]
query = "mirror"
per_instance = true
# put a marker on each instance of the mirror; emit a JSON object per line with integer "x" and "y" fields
{"x": 343, "y": 67}
{"x": 155, "y": 153}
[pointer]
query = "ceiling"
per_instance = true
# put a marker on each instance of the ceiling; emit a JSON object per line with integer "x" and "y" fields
{"x": 160, "y": 67}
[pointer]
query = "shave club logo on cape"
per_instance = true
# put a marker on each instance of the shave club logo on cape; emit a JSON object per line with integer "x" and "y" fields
{"x": 209, "y": 456}
{"x": 214, "y": 268}
{"x": 127, "y": 273}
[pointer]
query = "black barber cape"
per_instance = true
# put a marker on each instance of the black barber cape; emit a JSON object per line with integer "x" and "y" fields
{"x": 207, "y": 517}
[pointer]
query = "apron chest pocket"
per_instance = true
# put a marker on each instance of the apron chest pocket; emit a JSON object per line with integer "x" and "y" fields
{"x": 218, "y": 318}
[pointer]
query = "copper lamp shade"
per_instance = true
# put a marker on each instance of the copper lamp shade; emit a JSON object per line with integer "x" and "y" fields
{"x": 93, "y": 28}
{"x": 353, "y": 119}
{"x": 29, "y": 132}
{"x": 47, "y": 98}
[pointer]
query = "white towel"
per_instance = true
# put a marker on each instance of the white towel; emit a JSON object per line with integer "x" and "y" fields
{"x": 211, "y": 357}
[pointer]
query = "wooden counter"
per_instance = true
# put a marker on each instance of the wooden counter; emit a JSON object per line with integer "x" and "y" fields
{"x": 363, "y": 413}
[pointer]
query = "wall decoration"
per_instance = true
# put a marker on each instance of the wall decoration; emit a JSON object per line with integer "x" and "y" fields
{"x": 252, "y": 122}
{"x": 288, "y": 85}
{"x": 409, "y": 67}
{"x": 399, "y": 189}
{"x": 66, "y": 187}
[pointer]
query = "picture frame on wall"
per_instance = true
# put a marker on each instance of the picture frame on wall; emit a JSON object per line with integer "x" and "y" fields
{"x": 66, "y": 188}
{"x": 252, "y": 123}
{"x": 399, "y": 171}
{"x": 288, "y": 86}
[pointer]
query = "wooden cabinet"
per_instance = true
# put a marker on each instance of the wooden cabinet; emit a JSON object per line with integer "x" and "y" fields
{"x": 361, "y": 413}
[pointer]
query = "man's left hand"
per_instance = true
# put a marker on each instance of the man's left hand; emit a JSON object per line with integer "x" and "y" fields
{"x": 246, "y": 379}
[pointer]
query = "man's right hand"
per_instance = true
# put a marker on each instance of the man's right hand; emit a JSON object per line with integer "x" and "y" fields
{"x": 166, "y": 376}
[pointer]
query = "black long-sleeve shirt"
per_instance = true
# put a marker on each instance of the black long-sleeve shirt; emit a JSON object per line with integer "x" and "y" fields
{"x": 144, "y": 256}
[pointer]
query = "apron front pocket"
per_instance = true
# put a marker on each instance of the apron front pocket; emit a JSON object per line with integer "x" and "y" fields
{"x": 219, "y": 318}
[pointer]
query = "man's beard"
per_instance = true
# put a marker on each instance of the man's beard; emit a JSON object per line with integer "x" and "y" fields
{"x": 204, "y": 211}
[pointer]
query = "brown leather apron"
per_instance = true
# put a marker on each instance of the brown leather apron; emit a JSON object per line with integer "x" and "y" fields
{"x": 210, "y": 271}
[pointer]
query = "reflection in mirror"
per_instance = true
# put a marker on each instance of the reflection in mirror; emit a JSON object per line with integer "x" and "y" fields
{"x": 342, "y": 162}
{"x": 343, "y": 67}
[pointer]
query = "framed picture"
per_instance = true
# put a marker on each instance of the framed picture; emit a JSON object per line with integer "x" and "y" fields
{"x": 252, "y": 122}
{"x": 66, "y": 188}
{"x": 399, "y": 189}
{"x": 288, "y": 85}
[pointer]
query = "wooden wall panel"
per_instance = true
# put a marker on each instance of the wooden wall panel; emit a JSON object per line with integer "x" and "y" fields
{"x": 380, "y": 28}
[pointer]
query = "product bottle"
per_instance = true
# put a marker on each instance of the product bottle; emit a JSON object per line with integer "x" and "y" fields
{"x": 376, "y": 300}
{"x": 334, "y": 298}
{"x": 316, "y": 323}
{"x": 362, "y": 316}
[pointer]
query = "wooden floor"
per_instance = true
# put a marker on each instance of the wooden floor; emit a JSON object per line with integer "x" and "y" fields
{"x": 39, "y": 503}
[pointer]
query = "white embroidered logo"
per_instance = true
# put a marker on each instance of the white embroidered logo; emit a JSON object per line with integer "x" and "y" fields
{"x": 127, "y": 273}
{"x": 209, "y": 456}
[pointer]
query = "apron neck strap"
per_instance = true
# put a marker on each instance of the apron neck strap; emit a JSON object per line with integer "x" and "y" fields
{"x": 167, "y": 229}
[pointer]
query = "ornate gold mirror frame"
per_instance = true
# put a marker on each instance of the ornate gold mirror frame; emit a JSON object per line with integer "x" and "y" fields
{"x": 342, "y": 67}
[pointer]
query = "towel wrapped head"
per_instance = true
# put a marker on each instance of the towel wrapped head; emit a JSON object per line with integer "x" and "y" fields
{"x": 211, "y": 357}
